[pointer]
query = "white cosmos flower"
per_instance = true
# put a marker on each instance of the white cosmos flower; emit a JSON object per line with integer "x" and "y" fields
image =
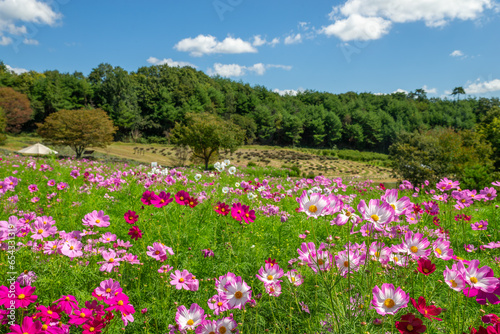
{"x": 197, "y": 177}
{"x": 232, "y": 170}
{"x": 237, "y": 184}
{"x": 225, "y": 190}
{"x": 251, "y": 196}
{"x": 227, "y": 162}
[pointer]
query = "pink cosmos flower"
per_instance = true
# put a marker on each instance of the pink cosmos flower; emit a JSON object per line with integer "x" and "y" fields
{"x": 221, "y": 282}
{"x": 110, "y": 261}
{"x": 388, "y": 300}
{"x": 207, "y": 327}
{"x": 159, "y": 251}
{"x": 51, "y": 183}
{"x": 237, "y": 292}
{"x": 218, "y": 304}
{"x": 237, "y": 211}
{"x": 120, "y": 303}
{"x": 476, "y": 277}
{"x": 248, "y": 215}
{"x": 379, "y": 252}
{"x": 488, "y": 194}
{"x": 107, "y": 237}
{"x": 165, "y": 269}
{"x": 79, "y": 317}
{"x": 376, "y": 212}
{"x": 294, "y": 277}
{"x": 48, "y": 313}
{"x": 442, "y": 249}
{"x": 181, "y": 279}
{"x": 481, "y": 225}
{"x": 454, "y": 278}
{"x": 72, "y": 248}
{"x": 348, "y": 262}
{"x": 222, "y": 208}
{"x": 131, "y": 258}
{"x": 189, "y": 319}
{"x": 414, "y": 245}
{"x": 270, "y": 273}
{"x": 273, "y": 289}
{"x": 62, "y": 186}
{"x": 41, "y": 230}
{"x": 95, "y": 218}
{"x": 446, "y": 184}
{"x": 226, "y": 325}
{"x": 401, "y": 205}
{"x": 208, "y": 252}
{"x": 313, "y": 206}
{"x": 108, "y": 289}
{"x": 33, "y": 188}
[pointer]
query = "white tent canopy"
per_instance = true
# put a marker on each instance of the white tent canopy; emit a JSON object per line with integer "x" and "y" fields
{"x": 37, "y": 149}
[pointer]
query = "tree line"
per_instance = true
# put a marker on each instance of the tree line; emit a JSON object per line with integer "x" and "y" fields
{"x": 146, "y": 104}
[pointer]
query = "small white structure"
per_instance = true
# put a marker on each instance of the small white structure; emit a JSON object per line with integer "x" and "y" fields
{"x": 37, "y": 149}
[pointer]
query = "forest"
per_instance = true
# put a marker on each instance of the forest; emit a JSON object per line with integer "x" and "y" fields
{"x": 146, "y": 104}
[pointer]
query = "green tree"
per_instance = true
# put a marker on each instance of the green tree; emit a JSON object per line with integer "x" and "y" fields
{"x": 78, "y": 129}
{"x": 489, "y": 127}
{"x": 206, "y": 135}
{"x": 3, "y": 125}
{"x": 457, "y": 91}
{"x": 16, "y": 107}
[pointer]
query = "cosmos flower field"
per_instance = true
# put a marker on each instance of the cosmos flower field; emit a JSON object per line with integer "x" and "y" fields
{"x": 88, "y": 247}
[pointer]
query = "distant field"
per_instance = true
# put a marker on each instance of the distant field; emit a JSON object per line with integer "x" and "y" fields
{"x": 165, "y": 155}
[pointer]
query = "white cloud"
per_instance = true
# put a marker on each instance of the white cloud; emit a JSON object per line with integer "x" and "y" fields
{"x": 203, "y": 45}
{"x": 304, "y": 25}
{"x": 357, "y": 27}
{"x": 353, "y": 18}
{"x": 14, "y": 12}
{"x": 274, "y": 42}
{"x": 258, "y": 41}
{"x": 479, "y": 87}
{"x": 29, "y": 41}
{"x": 291, "y": 92}
{"x": 457, "y": 53}
{"x": 293, "y": 39}
{"x": 16, "y": 69}
{"x": 399, "y": 90}
{"x": 429, "y": 90}
{"x": 5, "y": 40}
{"x": 169, "y": 62}
{"x": 235, "y": 70}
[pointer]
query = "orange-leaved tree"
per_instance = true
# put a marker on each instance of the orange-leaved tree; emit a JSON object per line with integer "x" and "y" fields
{"x": 16, "y": 107}
{"x": 78, "y": 129}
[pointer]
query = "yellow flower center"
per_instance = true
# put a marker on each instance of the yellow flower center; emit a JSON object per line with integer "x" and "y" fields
{"x": 162, "y": 201}
{"x": 157, "y": 252}
{"x": 91, "y": 329}
{"x": 463, "y": 200}
{"x": 414, "y": 249}
{"x": 409, "y": 327}
{"x": 321, "y": 262}
{"x": 219, "y": 304}
{"x": 181, "y": 279}
{"x": 348, "y": 213}
{"x": 98, "y": 221}
{"x": 247, "y": 215}
{"x": 71, "y": 247}
{"x": 190, "y": 322}
{"x": 426, "y": 270}
{"x": 393, "y": 206}
{"x": 82, "y": 315}
{"x": 377, "y": 254}
{"x": 238, "y": 294}
{"x": 111, "y": 260}
{"x": 346, "y": 264}
{"x": 40, "y": 231}
{"x": 49, "y": 312}
{"x": 222, "y": 330}
{"x": 44, "y": 327}
{"x": 293, "y": 279}
{"x": 375, "y": 218}
{"x": 270, "y": 278}
{"x": 182, "y": 198}
{"x": 439, "y": 251}
{"x": 108, "y": 290}
{"x": 313, "y": 208}
{"x": 453, "y": 283}
{"x": 107, "y": 239}
{"x": 120, "y": 302}
{"x": 480, "y": 226}
{"x": 54, "y": 247}
{"x": 21, "y": 296}
{"x": 473, "y": 280}
{"x": 396, "y": 259}
{"x": 66, "y": 299}
{"x": 389, "y": 303}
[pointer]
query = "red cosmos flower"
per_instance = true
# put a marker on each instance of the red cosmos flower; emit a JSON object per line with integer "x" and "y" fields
{"x": 428, "y": 311}
{"x": 410, "y": 325}
{"x": 382, "y": 186}
{"x": 182, "y": 197}
{"x": 425, "y": 266}
{"x": 94, "y": 326}
{"x": 131, "y": 217}
{"x": 222, "y": 208}
{"x": 272, "y": 262}
{"x": 417, "y": 209}
{"x": 192, "y": 202}
{"x": 495, "y": 329}
{"x": 435, "y": 220}
{"x": 135, "y": 233}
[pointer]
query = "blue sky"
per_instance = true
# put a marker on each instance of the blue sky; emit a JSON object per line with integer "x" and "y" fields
{"x": 377, "y": 46}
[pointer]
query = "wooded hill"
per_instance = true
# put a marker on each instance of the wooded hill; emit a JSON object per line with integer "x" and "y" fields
{"x": 146, "y": 104}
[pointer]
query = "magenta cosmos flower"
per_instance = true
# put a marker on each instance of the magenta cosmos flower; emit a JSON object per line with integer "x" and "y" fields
{"x": 131, "y": 217}
{"x": 161, "y": 200}
{"x": 270, "y": 273}
{"x": 28, "y": 327}
{"x": 159, "y": 251}
{"x": 414, "y": 245}
{"x": 478, "y": 278}
{"x": 147, "y": 197}
{"x": 135, "y": 233}
{"x": 481, "y": 225}
{"x": 96, "y": 218}
{"x": 387, "y": 300}
{"x": 189, "y": 319}
{"x": 222, "y": 208}
{"x": 238, "y": 293}
{"x": 67, "y": 303}
{"x": 182, "y": 197}
{"x": 181, "y": 280}
{"x": 376, "y": 212}
{"x": 22, "y": 296}
{"x": 401, "y": 205}
{"x": 107, "y": 289}
{"x": 72, "y": 248}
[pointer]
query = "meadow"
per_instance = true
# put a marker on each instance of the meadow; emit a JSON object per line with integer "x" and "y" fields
{"x": 92, "y": 247}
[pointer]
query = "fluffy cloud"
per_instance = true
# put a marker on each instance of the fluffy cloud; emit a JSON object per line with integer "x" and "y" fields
{"x": 235, "y": 70}
{"x": 457, "y": 53}
{"x": 16, "y": 70}
{"x": 357, "y": 27}
{"x": 14, "y": 12}
{"x": 293, "y": 39}
{"x": 169, "y": 62}
{"x": 429, "y": 90}
{"x": 479, "y": 87}
{"x": 29, "y": 41}
{"x": 353, "y": 19}
{"x": 259, "y": 41}
{"x": 204, "y": 45}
